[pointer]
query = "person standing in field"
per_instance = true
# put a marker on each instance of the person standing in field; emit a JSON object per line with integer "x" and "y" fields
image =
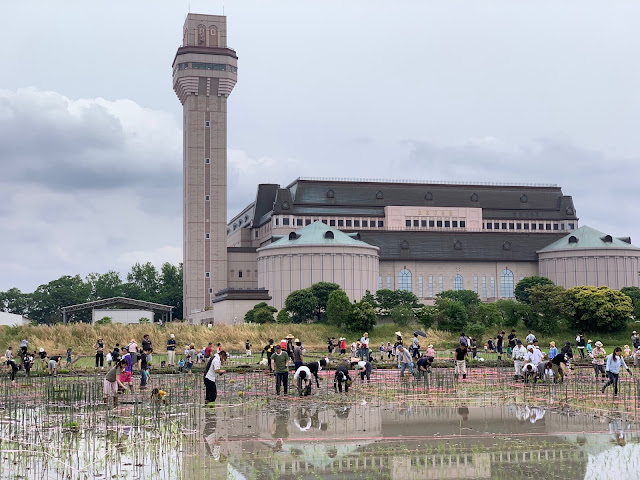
{"x": 52, "y": 366}
{"x": 13, "y": 368}
{"x": 268, "y": 349}
{"x": 42, "y": 355}
{"x": 171, "y": 351}
{"x": 404, "y": 359}
{"x": 298, "y": 354}
{"x": 343, "y": 346}
{"x": 598, "y": 357}
{"x": 280, "y": 364}
{"x": 364, "y": 347}
{"x": 499, "y": 339}
{"x": 247, "y": 348}
{"x": 614, "y": 362}
{"x": 126, "y": 374}
{"x": 211, "y": 371}
{"x": 519, "y": 354}
{"x": 28, "y": 363}
{"x": 461, "y": 362}
{"x": 99, "y": 347}
{"x": 147, "y": 347}
{"x": 112, "y": 381}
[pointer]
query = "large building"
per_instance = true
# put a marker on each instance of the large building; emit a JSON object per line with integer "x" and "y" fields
{"x": 421, "y": 236}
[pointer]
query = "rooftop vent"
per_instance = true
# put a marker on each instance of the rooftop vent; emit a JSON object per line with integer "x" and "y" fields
{"x": 293, "y": 236}
{"x": 428, "y": 196}
{"x": 330, "y": 194}
{"x": 379, "y": 195}
{"x": 474, "y": 197}
{"x": 573, "y": 239}
{"x": 607, "y": 239}
{"x": 404, "y": 245}
{"x": 457, "y": 245}
{"x": 625, "y": 239}
{"x": 329, "y": 234}
{"x": 524, "y": 198}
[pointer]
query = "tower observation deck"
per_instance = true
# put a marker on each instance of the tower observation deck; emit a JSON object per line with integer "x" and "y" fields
{"x": 204, "y": 74}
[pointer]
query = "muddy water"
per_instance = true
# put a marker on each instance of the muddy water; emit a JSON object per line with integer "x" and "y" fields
{"x": 73, "y": 436}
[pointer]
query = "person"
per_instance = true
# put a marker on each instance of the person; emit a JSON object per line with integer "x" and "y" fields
{"x": 598, "y": 357}
{"x": 23, "y": 348}
{"x": 547, "y": 372}
{"x": 381, "y": 350}
{"x": 115, "y": 354}
{"x": 303, "y": 379}
{"x": 581, "y": 344}
{"x": 415, "y": 347}
{"x": 213, "y": 368}
{"x": 99, "y": 348}
{"x": 147, "y": 347}
{"x": 528, "y": 372}
{"x": 486, "y": 348}
{"x": 343, "y": 346}
{"x": 430, "y": 354}
{"x": 635, "y": 340}
{"x": 268, "y": 349}
{"x": 589, "y": 348}
{"x": 614, "y": 362}
{"x": 283, "y": 344}
{"x": 8, "y": 355}
{"x": 13, "y": 368}
{"x": 553, "y": 351}
{"x": 534, "y": 356}
{"x": 512, "y": 340}
{"x": 474, "y": 348}
{"x": 143, "y": 365}
{"x": 461, "y": 363}
{"x": 190, "y": 358}
{"x": 329, "y": 345}
{"x": 404, "y": 359}
{"x": 627, "y": 351}
{"x": 315, "y": 367}
{"x": 280, "y": 364}
{"x": 490, "y": 345}
{"x": 298, "y": 354}
{"x": 530, "y": 337}
{"x": 636, "y": 356}
{"x": 389, "y": 349}
{"x": 397, "y": 343}
{"x": 247, "y": 348}
{"x": 519, "y": 355}
{"x": 52, "y": 366}
{"x": 69, "y": 357}
{"x": 559, "y": 364}
{"x": 499, "y": 338}
{"x": 341, "y": 377}
{"x": 364, "y": 347}
{"x": 171, "y": 350}
{"x": 422, "y": 367}
{"x": 290, "y": 348}
{"x": 200, "y": 355}
{"x": 127, "y": 373}
{"x": 28, "y": 363}
{"x": 568, "y": 353}
{"x": 158, "y": 395}
{"x": 133, "y": 347}
{"x": 112, "y": 382}
{"x": 208, "y": 351}
{"x": 364, "y": 367}
{"x": 354, "y": 349}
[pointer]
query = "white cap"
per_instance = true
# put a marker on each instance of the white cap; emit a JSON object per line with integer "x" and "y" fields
{"x": 173, "y": 336}
{"x": 41, "y": 349}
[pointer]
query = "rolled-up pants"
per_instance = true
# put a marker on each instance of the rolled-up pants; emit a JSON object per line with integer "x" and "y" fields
{"x": 517, "y": 365}
{"x": 461, "y": 367}
{"x": 171, "y": 357}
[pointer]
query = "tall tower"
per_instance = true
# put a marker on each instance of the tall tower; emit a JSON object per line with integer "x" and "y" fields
{"x": 204, "y": 73}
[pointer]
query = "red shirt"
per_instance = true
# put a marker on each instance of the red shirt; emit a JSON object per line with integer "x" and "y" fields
{"x": 283, "y": 344}
{"x": 343, "y": 345}
{"x": 207, "y": 351}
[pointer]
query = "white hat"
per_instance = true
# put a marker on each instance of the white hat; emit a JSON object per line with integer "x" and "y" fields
{"x": 398, "y": 333}
{"x": 297, "y": 340}
{"x": 41, "y": 349}
{"x": 173, "y": 336}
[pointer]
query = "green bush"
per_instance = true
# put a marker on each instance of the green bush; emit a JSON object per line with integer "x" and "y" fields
{"x": 104, "y": 321}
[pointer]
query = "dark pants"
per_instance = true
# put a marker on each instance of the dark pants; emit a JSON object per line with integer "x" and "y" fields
{"x": 269, "y": 362}
{"x": 338, "y": 381}
{"x": 599, "y": 369}
{"x": 297, "y": 365}
{"x": 211, "y": 390}
{"x": 613, "y": 380}
{"x": 99, "y": 360}
{"x": 282, "y": 379}
{"x": 366, "y": 373}
{"x": 581, "y": 350}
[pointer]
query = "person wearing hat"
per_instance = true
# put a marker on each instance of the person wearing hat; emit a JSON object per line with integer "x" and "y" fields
{"x": 598, "y": 356}
{"x": 589, "y": 347}
{"x": 519, "y": 354}
{"x": 280, "y": 364}
{"x": 581, "y": 344}
{"x": 568, "y": 353}
{"x": 99, "y": 353}
{"x": 298, "y": 354}
{"x": 364, "y": 347}
{"x": 42, "y": 355}
{"x": 397, "y": 343}
{"x": 315, "y": 367}
{"x": 171, "y": 351}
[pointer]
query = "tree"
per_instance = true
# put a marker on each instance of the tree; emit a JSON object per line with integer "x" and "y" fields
{"x": 387, "y": 299}
{"x": 143, "y": 320}
{"x": 521, "y": 291}
{"x": 338, "y": 308}
{"x": 49, "y": 299}
{"x": 283, "y": 317}
{"x": 145, "y": 280}
{"x": 370, "y": 299}
{"x": 170, "y": 287}
{"x": 363, "y": 317}
{"x": 467, "y": 297}
{"x": 549, "y": 306}
{"x": 485, "y": 314}
{"x": 250, "y": 316}
{"x": 264, "y": 315}
{"x": 301, "y": 304}
{"x": 452, "y": 315}
{"x": 599, "y": 309}
{"x": 322, "y": 290}
{"x": 14, "y": 301}
{"x": 103, "y": 321}
{"x": 425, "y": 315}
{"x": 402, "y": 315}
{"x": 512, "y": 312}
{"x": 106, "y": 285}
{"x": 634, "y": 294}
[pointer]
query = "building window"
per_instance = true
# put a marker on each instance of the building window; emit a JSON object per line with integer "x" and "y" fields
{"x": 324, "y": 220}
{"x": 307, "y": 221}
{"x": 356, "y": 223}
{"x": 458, "y": 283}
{"x": 430, "y": 286}
{"x": 571, "y": 226}
{"x": 504, "y": 225}
{"x": 506, "y": 284}
{"x": 526, "y": 226}
{"x": 518, "y": 226}
{"x": 239, "y": 273}
{"x": 206, "y": 198}
{"x": 562, "y": 226}
{"x": 441, "y": 284}
{"x": 207, "y": 123}
{"x": 511, "y": 226}
{"x": 548, "y": 226}
{"x": 256, "y": 233}
{"x": 206, "y": 235}
{"x": 447, "y": 223}
{"x": 432, "y": 223}
{"x": 493, "y": 287}
{"x": 341, "y": 223}
{"x": 348, "y": 223}
{"x": 407, "y": 223}
{"x": 463, "y": 223}
{"x": 423, "y": 223}
{"x": 332, "y": 223}
{"x": 207, "y": 161}
{"x": 415, "y": 223}
{"x": 207, "y": 274}
{"x": 404, "y": 280}
{"x": 285, "y": 221}
{"x": 534, "y": 226}
{"x": 277, "y": 221}
{"x": 555, "y": 226}
{"x": 439, "y": 223}
{"x": 365, "y": 223}
{"x": 496, "y": 226}
{"x": 454, "y": 223}
{"x": 299, "y": 222}
{"x": 388, "y": 282}
{"x": 420, "y": 293}
{"x": 380, "y": 223}
{"x": 489, "y": 225}
{"x": 379, "y": 282}
{"x": 484, "y": 286}
{"x": 211, "y": 290}
{"x": 475, "y": 284}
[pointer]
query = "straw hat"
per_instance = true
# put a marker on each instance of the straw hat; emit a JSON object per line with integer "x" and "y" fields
{"x": 398, "y": 333}
{"x": 588, "y": 341}
{"x": 289, "y": 336}
{"x": 598, "y": 343}
{"x": 429, "y": 346}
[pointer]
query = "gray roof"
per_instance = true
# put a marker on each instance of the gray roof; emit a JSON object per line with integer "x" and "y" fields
{"x": 587, "y": 237}
{"x": 458, "y": 246}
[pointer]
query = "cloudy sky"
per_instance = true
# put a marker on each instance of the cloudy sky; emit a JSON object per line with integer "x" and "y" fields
{"x": 90, "y": 128}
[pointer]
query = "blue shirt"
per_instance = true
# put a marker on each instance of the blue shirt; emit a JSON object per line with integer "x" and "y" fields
{"x": 613, "y": 366}
{"x": 552, "y": 353}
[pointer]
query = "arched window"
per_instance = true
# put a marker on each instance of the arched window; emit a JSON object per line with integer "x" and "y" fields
{"x": 506, "y": 284}
{"x": 457, "y": 282}
{"x": 404, "y": 280}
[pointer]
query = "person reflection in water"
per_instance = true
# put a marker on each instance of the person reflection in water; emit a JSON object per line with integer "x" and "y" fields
{"x": 463, "y": 411}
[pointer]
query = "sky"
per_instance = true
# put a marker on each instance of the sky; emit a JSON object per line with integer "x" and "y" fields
{"x": 492, "y": 91}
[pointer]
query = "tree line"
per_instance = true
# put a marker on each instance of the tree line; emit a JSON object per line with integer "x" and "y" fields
{"x": 144, "y": 282}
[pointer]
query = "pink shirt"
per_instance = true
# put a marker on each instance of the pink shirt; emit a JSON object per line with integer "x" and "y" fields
{"x": 430, "y": 352}
{"x": 133, "y": 347}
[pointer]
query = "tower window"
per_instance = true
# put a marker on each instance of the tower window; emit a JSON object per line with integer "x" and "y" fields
{"x": 211, "y": 290}
{"x": 285, "y": 221}
{"x": 206, "y": 197}
{"x": 206, "y": 235}
{"x": 207, "y": 161}
{"x": 239, "y": 273}
{"x": 207, "y": 274}
{"x": 207, "y": 123}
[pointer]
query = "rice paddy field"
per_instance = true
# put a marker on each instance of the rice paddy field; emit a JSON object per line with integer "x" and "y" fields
{"x": 485, "y": 426}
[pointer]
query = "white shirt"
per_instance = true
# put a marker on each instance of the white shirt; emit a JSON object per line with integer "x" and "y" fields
{"x": 215, "y": 365}
{"x": 364, "y": 341}
{"x": 535, "y": 357}
{"x": 302, "y": 369}
{"x": 362, "y": 363}
{"x": 519, "y": 353}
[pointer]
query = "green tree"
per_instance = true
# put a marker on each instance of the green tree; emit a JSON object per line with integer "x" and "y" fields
{"x": 425, "y": 315}
{"x": 249, "y": 317}
{"x": 143, "y": 280}
{"x": 283, "y": 317}
{"x": 521, "y": 291}
{"x": 338, "y": 308}
{"x": 467, "y": 297}
{"x": 402, "y": 315}
{"x": 452, "y": 315}
{"x": 103, "y": 321}
{"x": 599, "y": 309}
{"x": 549, "y": 307}
{"x": 322, "y": 290}
{"x": 14, "y": 301}
{"x": 143, "y": 320}
{"x": 387, "y": 299}
{"x": 486, "y": 314}
{"x": 301, "y": 304}
{"x": 370, "y": 299}
{"x": 512, "y": 312}
{"x": 634, "y": 294}
{"x": 263, "y": 315}
{"x": 170, "y": 287}
{"x": 363, "y": 317}
{"x": 49, "y": 299}
{"x": 106, "y": 285}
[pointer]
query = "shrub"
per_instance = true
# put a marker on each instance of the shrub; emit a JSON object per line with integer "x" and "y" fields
{"x": 104, "y": 321}
{"x": 283, "y": 317}
{"x": 143, "y": 320}
{"x": 402, "y": 315}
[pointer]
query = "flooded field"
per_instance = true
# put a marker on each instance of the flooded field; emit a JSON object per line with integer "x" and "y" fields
{"x": 58, "y": 428}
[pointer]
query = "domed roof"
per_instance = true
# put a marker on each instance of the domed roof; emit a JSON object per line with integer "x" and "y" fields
{"x": 318, "y": 233}
{"x": 587, "y": 237}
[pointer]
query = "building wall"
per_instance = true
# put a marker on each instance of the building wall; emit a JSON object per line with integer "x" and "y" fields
{"x": 11, "y": 319}
{"x": 245, "y": 263}
{"x": 615, "y": 267}
{"x": 283, "y": 270}
{"x": 123, "y": 316}
{"x": 483, "y": 272}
